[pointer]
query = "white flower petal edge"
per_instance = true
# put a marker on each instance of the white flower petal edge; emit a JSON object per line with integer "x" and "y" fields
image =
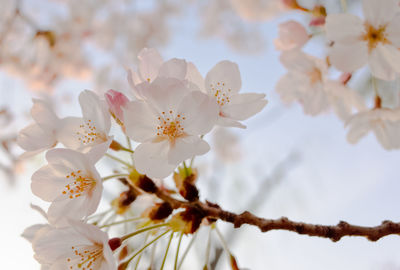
{"x": 222, "y": 83}
{"x": 81, "y": 246}
{"x": 90, "y": 130}
{"x": 41, "y": 135}
{"x": 384, "y": 123}
{"x": 70, "y": 182}
{"x": 168, "y": 123}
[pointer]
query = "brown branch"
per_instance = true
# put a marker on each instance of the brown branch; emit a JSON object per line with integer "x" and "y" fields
{"x": 333, "y": 232}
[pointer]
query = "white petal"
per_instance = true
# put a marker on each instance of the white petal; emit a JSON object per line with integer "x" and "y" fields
{"x": 243, "y": 106}
{"x": 358, "y": 127}
{"x": 69, "y": 133}
{"x": 227, "y": 122}
{"x": 298, "y": 61}
{"x": 187, "y": 147}
{"x": 349, "y": 57}
{"x": 343, "y": 28}
{"x": 30, "y": 232}
{"x": 134, "y": 80}
{"x": 224, "y": 72}
{"x": 44, "y": 115}
{"x": 150, "y": 62}
{"x": 152, "y": 159}
{"x": 48, "y": 183}
{"x": 193, "y": 75}
{"x": 200, "y": 111}
{"x": 95, "y": 110}
{"x": 34, "y": 138}
{"x": 393, "y": 31}
{"x": 61, "y": 210}
{"x": 174, "y": 68}
{"x": 379, "y": 13}
{"x": 140, "y": 121}
{"x": 165, "y": 94}
{"x": 382, "y": 60}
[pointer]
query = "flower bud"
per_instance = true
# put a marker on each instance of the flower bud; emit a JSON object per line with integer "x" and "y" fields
{"x": 114, "y": 243}
{"x": 292, "y": 35}
{"x": 116, "y": 101}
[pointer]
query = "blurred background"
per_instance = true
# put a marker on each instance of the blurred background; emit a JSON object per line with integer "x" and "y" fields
{"x": 284, "y": 164}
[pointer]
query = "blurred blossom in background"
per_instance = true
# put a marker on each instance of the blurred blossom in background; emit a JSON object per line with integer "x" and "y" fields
{"x": 293, "y": 159}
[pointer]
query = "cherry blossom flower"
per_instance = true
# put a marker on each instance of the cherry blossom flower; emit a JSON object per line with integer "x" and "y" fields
{"x": 375, "y": 41}
{"x": 43, "y": 134}
{"x": 116, "y": 101}
{"x": 90, "y": 130}
{"x": 81, "y": 246}
{"x": 307, "y": 82}
{"x": 70, "y": 182}
{"x": 168, "y": 124}
{"x": 151, "y": 66}
{"x": 292, "y": 35}
{"x": 223, "y": 83}
{"x": 384, "y": 123}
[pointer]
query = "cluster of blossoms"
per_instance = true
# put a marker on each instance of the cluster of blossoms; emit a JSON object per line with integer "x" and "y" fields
{"x": 172, "y": 109}
{"x": 352, "y": 43}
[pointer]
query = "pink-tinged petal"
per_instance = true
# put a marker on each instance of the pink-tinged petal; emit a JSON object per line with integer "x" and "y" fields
{"x": 95, "y": 110}
{"x": 200, "y": 112}
{"x": 224, "y": 74}
{"x": 194, "y": 76}
{"x": 150, "y": 62}
{"x": 349, "y": 57}
{"x": 174, "y": 68}
{"x": 243, "y": 106}
{"x": 358, "y": 127}
{"x": 34, "y": 138}
{"x": 70, "y": 132}
{"x": 382, "y": 62}
{"x": 392, "y": 31}
{"x": 61, "y": 210}
{"x": 152, "y": 159}
{"x": 379, "y": 13}
{"x": 116, "y": 101}
{"x": 344, "y": 28}
{"x": 165, "y": 94}
{"x": 44, "y": 115}
{"x": 296, "y": 60}
{"x": 69, "y": 159}
{"x": 292, "y": 35}
{"x": 48, "y": 183}
{"x": 187, "y": 147}
{"x": 227, "y": 122}
{"x": 30, "y": 232}
{"x": 140, "y": 121}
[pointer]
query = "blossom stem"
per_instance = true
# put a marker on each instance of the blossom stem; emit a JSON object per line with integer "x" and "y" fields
{"x": 187, "y": 250}
{"x": 208, "y": 248}
{"x": 143, "y": 248}
{"x": 223, "y": 242}
{"x": 166, "y": 251}
{"x": 119, "y": 160}
{"x": 143, "y": 230}
{"x": 128, "y": 141}
{"x": 177, "y": 251}
{"x": 114, "y": 176}
{"x": 344, "y": 5}
{"x": 121, "y": 222}
{"x": 140, "y": 256}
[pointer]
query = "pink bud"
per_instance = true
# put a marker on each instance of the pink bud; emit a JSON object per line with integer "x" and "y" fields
{"x": 319, "y": 21}
{"x": 116, "y": 101}
{"x": 292, "y": 35}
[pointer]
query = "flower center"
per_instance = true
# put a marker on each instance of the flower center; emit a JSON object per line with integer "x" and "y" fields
{"x": 315, "y": 75}
{"x": 221, "y": 94}
{"x": 170, "y": 125}
{"x": 78, "y": 185}
{"x": 374, "y": 36}
{"x": 88, "y": 134}
{"x": 85, "y": 257}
